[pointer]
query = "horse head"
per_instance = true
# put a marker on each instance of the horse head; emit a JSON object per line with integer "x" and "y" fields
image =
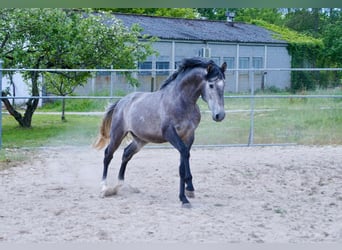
{"x": 213, "y": 90}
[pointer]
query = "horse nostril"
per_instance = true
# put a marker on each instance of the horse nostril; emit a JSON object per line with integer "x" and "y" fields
{"x": 219, "y": 117}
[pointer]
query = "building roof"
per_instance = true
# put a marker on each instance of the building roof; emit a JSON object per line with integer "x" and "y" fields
{"x": 199, "y": 30}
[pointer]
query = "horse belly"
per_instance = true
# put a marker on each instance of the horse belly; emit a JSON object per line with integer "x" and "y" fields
{"x": 147, "y": 128}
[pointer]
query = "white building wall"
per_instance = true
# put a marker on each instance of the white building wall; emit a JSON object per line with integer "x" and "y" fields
{"x": 19, "y": 88}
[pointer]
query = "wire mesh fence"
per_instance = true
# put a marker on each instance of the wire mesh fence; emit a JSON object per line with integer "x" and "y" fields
{"x": 255, "y": 117}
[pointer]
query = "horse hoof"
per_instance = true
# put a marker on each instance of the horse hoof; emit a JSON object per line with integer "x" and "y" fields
{"x": 190, "y": 194}
{"x": 109, "y": 192}
{"x": 186, "y": 205}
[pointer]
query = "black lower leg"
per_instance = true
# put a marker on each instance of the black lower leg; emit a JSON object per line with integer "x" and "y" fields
{"x": 121, "y": 176}
{"x": 107, "y": 158}
{"x": 129, "y": 151}
{"x": 189, "y": 185}
{"x": 182, "y": 196}
{"x": 188, "y": 178}
{"x": 170, "y": 134}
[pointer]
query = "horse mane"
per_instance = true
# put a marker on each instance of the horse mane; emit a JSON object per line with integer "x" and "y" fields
{"x": 188, "y": 63}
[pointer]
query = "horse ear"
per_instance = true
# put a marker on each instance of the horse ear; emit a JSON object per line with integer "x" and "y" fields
{"x": 209, "y": 67}
{"x": 224, "y": 67}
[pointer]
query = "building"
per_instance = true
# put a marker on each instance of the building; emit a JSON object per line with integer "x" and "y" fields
{"x": 240, "y": 45}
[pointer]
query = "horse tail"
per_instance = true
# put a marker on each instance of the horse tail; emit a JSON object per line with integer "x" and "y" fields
{"x": 103, "y": 137}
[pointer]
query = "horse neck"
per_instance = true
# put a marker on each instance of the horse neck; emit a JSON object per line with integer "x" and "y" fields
{"x": 190, "y": 88}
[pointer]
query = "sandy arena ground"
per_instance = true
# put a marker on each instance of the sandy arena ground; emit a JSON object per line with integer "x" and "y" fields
{"x": 258, "y": 194}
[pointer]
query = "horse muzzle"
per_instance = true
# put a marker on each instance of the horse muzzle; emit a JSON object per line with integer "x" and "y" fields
{"x": 217, "y": 117}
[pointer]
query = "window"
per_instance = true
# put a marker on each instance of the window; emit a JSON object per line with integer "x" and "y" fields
{"x": 161, "y": 66}
{"x": 216, "y": 60}
{"x": 230, "y": 62}
{"x": 243, "y": 62}
{"x": 257, "y": 62}
{"x": 144, "y": 66}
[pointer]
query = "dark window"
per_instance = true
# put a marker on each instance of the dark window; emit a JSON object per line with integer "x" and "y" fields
{"x": 243, "y": 64}
{"x": 230, "y": 62}
{"x": 145, "y": 66}
{"x": 165, "y": 66}
{"x": 257, "y": 62}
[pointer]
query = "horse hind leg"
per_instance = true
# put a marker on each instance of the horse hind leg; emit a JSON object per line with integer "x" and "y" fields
{"x": 129, "y": 151}
{"x": 133, "y": 148}
{"x": 108, "y": 156}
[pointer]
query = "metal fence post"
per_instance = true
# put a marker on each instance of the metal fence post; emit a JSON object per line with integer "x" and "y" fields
{"x": 251, "y": 126}
{"x": 1, "y": 61}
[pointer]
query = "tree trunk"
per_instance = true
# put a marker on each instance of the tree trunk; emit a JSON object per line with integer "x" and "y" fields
{"x": 12, "y": 111}
{"x": 63, "y": 110}
{"x": 31, "y": 105}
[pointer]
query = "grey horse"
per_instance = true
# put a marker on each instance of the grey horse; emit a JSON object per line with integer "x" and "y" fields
{"x": 167, "y": 115}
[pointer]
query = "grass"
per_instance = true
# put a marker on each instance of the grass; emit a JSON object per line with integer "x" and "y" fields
{"x": 18, "y": 144}
{"x": 49, "y": 130}
{"x": 315, "y": 121}
{"x": 309, "y": 121}
{"x": 76, "y": 105}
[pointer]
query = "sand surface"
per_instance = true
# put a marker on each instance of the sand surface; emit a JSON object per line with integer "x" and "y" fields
{"x": 257, "y": 194}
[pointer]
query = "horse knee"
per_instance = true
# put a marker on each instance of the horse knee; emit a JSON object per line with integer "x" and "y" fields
{"x": 108, "y": 156}
{"x": 128, "y": 154}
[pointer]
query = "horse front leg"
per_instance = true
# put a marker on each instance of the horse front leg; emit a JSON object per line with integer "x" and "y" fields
{"x": 171, "y": 135}
{"x": 189, "y": 190}
{"x": 185, "y": 178}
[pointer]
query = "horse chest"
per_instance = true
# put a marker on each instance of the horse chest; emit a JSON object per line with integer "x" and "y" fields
{"x": 181, "y": 128}
{"x": 186, "y": 128}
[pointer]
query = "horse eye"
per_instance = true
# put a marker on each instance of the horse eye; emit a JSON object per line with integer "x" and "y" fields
{"x": 211, "y": 86}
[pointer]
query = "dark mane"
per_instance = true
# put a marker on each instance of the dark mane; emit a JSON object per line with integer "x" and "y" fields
{"x": 188, "y": 63}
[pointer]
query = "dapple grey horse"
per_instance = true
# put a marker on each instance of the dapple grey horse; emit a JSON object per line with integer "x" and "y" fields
{"x": 167, "y": 115}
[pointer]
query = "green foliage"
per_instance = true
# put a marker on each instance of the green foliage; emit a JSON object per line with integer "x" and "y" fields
{"x": 304, "y": 21}
{"x": 269, "y": 15}
{"x": 167, "y": 12}
{"x": 288, "y": 35}
{"x": 333, "y": 43}
{"x": 65, "y": 39}
{"x": 213, "y": 13}
{"x": 305, "y": 52}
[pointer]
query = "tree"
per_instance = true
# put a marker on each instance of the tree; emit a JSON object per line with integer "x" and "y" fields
{"x": 333, "y": 51}
{"x": 213, "y": 13}
{"x": 66, "y": 39}
{"x": 63, "y": 85}
{"x": 167, "y": 12}
{"x": 304, "y": 20}
{"x": 270, "y": 15}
